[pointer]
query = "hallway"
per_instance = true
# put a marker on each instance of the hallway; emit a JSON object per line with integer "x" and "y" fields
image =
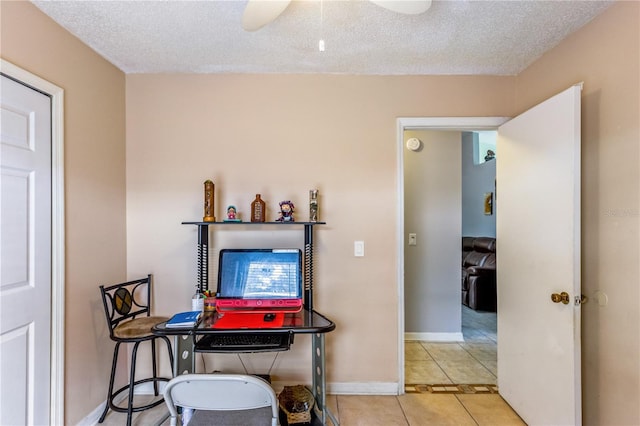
{"x": 473, "y": 361}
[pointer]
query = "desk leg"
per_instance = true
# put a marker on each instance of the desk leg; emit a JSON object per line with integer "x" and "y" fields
{"x": 184, "y": 359}
{"x": 319, "y": 379}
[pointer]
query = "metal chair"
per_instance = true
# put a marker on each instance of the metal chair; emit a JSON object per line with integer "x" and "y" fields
{"x": 127, "y": 307}
{"x": 222, "y": 399}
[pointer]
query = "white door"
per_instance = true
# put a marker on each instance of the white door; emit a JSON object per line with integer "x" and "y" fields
{"x": 538, "y": 237}
{"x": 25, "y": 255}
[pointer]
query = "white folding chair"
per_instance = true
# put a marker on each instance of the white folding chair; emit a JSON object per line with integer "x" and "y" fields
{"x": 222, "y": 399}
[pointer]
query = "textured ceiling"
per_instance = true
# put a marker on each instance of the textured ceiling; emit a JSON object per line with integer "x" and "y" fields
{"x": 452, "y": 37}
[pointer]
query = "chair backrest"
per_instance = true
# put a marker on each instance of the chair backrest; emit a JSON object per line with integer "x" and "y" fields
{"x": 223, "y": 393}
{"x": 125, "y": 301}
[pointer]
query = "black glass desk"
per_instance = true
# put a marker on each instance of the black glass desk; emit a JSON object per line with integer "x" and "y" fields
{"x": 303, "y": 322}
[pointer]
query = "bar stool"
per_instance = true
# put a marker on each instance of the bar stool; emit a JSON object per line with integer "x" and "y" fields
{"x": 127, "y": 307}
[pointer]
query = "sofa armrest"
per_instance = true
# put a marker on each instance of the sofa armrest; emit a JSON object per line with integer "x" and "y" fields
{"x": 481, "y": 283}
{"x": 481, "y": 271}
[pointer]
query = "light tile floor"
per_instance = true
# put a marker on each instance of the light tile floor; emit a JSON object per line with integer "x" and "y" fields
{"x": 473, "y": 361}
{"x": 411, "y": 409}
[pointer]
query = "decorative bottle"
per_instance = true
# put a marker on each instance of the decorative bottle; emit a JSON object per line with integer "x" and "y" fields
{"x": 313, "y": 205}
{"x": 197, "y": 301}
{"x": 257, "y": 210}
{"x": 209, "y": 190}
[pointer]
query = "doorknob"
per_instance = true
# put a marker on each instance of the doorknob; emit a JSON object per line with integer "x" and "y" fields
{"x": 562, "y": 297}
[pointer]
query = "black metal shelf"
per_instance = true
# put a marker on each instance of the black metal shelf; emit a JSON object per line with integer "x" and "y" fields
{"x": 203, "y": 252}
{"x": 255, "y": 223}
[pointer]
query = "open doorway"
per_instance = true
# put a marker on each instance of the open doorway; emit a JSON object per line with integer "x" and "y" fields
{"x": 449, "y": 191}
{"x": 453, "y": 330}
{"x": 538, "y": 340}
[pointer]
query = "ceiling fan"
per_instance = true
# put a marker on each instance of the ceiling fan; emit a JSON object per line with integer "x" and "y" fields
{"x": 259, "y": 13}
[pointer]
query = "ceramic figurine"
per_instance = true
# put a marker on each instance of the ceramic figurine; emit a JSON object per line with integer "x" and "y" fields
{"x": 232, "y": 215}
{"x": 286, "y": 212}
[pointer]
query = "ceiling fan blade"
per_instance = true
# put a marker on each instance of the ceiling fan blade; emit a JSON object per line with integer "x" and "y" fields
{"x": 259, "y": 13}
{"x": 407, "y": 7}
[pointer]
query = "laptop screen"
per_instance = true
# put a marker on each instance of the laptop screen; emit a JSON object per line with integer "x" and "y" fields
{"x": 260, "y": 274}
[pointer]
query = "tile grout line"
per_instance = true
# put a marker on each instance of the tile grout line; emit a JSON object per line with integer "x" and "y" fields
{"x": 467, "y": 410}
{"x": 404, "y": 414}
{"x": 479, "y": 362}
{"x": 438, "y": 364}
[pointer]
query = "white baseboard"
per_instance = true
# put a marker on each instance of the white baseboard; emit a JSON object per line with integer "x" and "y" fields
{"x": 142, "y": 389}
{"x": 435, "y": 337}
{"x": 351, "y": 388}
{"x": 363, "y": 388}
{"x": 92, "y": 418}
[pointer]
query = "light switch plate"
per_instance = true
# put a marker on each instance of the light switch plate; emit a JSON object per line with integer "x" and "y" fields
{"x": 413, "y": 239}
{"x": 358, "y": 248}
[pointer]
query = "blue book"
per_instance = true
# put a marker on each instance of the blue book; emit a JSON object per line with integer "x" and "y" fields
{"x": 184, "y": 319}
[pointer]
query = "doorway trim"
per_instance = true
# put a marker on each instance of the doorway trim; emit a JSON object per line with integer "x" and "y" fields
{"x": 56, "y": 392}
{"x": 422, "y": 123}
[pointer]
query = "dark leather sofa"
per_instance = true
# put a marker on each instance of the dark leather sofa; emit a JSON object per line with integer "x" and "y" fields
{"x": 479, "y": 273}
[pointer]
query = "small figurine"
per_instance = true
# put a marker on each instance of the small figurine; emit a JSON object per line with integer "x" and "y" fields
{"x": 286, "y": 212}
{"x": 232, "y": 215}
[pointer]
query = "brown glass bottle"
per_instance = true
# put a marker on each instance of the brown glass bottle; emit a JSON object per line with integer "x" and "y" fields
{"x": 258, "y": 210}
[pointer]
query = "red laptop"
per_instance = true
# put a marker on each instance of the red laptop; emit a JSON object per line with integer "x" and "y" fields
{"x": 259, "y": 281}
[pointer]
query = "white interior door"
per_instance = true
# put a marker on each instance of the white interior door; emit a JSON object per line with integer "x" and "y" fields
{"x": 538, "y": 237}
{"x": 25, "y": 253}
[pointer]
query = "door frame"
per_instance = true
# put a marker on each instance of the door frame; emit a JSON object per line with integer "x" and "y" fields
{"x": 56, "y": 94}
{"x": 422, "y": 123}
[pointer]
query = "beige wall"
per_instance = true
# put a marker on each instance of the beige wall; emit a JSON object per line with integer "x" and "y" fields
{"x": 283, "y": 134}
{"x": 433, "y": 211}
{"x": 94, "y": 144}
{"x": 605, "y": 55}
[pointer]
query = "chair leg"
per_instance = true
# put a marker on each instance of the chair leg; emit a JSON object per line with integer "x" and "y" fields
{"x": 130, "y": 387}
{"x": 132, "y": 382}
{"x": 114, "y": 362}
{"x": 153, "y": 366}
